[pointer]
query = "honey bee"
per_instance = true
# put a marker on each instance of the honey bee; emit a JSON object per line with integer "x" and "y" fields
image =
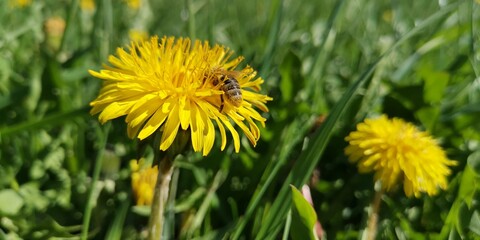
{"x": 230, "y": 86}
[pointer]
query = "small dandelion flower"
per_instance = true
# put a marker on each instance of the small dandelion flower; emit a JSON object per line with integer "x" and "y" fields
{"x": 173, "y": 85}
{"x": 87, "y": 5}
{"x": 134, "y": 4}
{"x": 54, "y": 28}
{"x": 20, "y": 3}
{"x": 398, "y": 151}
{"x": 137, "y": 35}
{"x": 143, "y": 181}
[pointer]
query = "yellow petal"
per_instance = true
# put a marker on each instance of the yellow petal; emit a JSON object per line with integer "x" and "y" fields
{"x": 236, "y": 137}
{"x": 153, "y": 124}
{"x": 245, "y": 130}
{"x": 197, "y": 129}
{"x": 209, "y": 134}
{"x": 171, "y": 128}
{"x": 142, "y": 110}
{"x": 222, "y": 134}
{"x": 184, "y": 112}
{"x": 112, "y": 111}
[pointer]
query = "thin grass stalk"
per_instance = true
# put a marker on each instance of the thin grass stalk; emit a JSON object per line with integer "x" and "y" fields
{"x": 191, "y": 20}
{"x": 96, "y": 174}
{"x": 288, "y": 224}
{"x": 48, "y": 121}
{"x": 277, "y": 165}
{"x": 199, "y": 218}
{"x": 108, "y": 25}
{"x": 293, "y": 133}
{"x": 272, "y": 40}
{"x": 311, "y": 156}
{"x": 473, "y": 26}
{"x": 115, "y": 230}
{"x": 72, "y": 12}
{"x": 317, "y": 69}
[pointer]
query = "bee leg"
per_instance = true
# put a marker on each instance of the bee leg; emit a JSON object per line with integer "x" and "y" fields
{"x": 222, "y": 103}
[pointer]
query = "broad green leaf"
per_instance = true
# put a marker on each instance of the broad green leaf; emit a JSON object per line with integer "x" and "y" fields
{"x": 10, "y": 202}
{"x": 454, "y": 235}
{"x": 463, "y": 219}
{"x": 303, "y": 217}
{"x": 465, "y": 197}
{"x": 468, "y": 186}
{"x": 33, "y": 196}
{"x": 435, "y": 84}
{"x": 474, "y": 225}
{"x": 474, "y": 162}
{"x": 428, "y": 116}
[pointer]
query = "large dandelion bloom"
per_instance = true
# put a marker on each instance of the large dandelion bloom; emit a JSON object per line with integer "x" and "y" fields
{"x": 396, "y": 151}
{"x": 171, "y": 85}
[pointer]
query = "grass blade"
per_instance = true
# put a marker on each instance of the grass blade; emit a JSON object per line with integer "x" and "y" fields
{"x": 309, "y": 159}
{"x": 54, "y": 119}
{"x": 294, "y": 132}
{"x": 96, "y": 174}
{"x": 311, "y": 156}
{"x": 115, "y": 231}
{"x": 272, "y": 39}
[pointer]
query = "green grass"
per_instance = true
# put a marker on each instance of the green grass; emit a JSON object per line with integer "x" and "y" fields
{"x": 343, "y": 60}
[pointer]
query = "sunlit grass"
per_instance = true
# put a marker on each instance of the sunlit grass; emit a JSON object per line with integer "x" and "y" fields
{"x": 327, "y": 64}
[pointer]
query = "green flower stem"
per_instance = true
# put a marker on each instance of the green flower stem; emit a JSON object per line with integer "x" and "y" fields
{"x": 373, "y": 216}
{"x": 162, "y": 188}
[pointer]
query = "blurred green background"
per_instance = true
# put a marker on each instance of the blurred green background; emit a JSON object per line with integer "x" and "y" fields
{"x": 327, "y": 64}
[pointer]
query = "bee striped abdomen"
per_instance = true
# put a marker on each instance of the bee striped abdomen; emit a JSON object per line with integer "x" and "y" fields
{"x": 228, "y": 83}
{"x": 232, "y": 91}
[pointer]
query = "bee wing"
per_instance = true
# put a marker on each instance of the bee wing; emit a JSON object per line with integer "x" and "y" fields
{"x": 234, "y": 74}
{"x": 228, "y": 73}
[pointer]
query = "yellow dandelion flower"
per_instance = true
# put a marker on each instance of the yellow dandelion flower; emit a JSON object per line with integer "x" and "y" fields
{"x": 396, "y": 151}
{"x": 143, "y": 181}
{"x": 87, "y": 5}
{"x": 54, "y": 28}
{"x": 20, "y": 3}
{"x": 137, "y": 35}
{"x": 173, "y": 85}
{"x": 134, "y": 4}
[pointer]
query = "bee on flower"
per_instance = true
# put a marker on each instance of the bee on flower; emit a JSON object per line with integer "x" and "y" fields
{"x": 175, "y": 85}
